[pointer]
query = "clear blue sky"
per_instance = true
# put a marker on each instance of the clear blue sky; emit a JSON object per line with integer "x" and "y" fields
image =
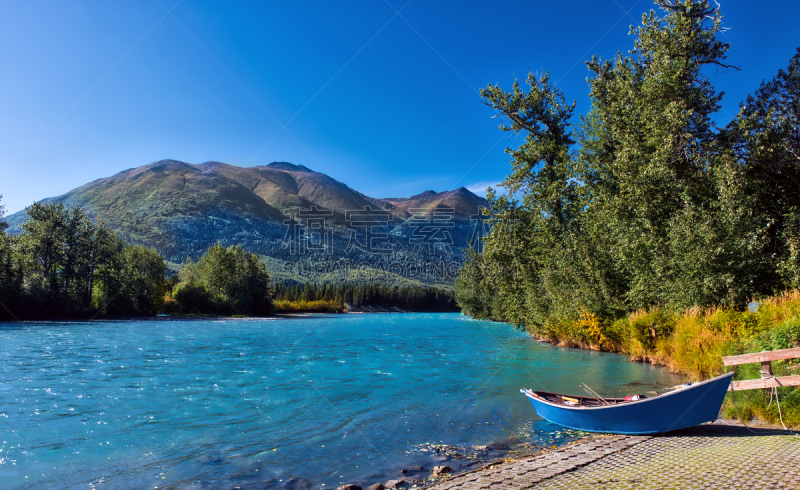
{"x": 384, "y": 102}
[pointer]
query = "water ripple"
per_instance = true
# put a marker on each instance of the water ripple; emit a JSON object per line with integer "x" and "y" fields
{"x": 325, "y": 399}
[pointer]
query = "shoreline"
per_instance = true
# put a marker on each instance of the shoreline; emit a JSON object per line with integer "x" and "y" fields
{"x": 459, "y": 461}
{"x": 163, "y": 317}
{"x": 425, "y": 479}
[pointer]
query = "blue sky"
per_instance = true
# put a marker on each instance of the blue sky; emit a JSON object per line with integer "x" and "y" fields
{"x": 384, "y": 101}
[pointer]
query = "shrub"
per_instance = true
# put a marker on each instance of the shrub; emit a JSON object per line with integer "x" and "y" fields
{"x": 699, "y": 342}
{"x": 777, "y": 309}
{"x": 318, "y": 306}
{"x": 786, "y": 335}
{"x": 193, "y": 299}
{"x": 169, "y": 306}
{"x": 619, "y": 332}
{"x": 647, "y": 328}
{"x": 593, "y": 329}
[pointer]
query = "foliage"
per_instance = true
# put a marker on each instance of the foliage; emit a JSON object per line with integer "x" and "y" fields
{"x": 645, "y": 228}
{"x": 649, "y": 327}
{"x": 644, "y": 204}
{"x": 472, "y": 290}
{"x": 593, "y": 326}
{"x": 699, "y": 342}
{"x": 224, "y": 281}
{"x": 64, "y": 264}
{"x": 316, "y": 306}
{"x": 765, "y": 138}
{"x": 339, "y": 297}
{"x": 192, "y": 298}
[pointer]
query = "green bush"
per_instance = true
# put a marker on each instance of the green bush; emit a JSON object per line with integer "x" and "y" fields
{"x": 619, "y": 331}
{"x": 193, "y": 299}
{"x": 786, "y": 335}
{"x": 648, "y": 328}
{"x": 225, "y": 281}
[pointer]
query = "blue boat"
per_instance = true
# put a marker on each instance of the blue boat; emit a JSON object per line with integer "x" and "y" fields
{"x": 691, "y": 405}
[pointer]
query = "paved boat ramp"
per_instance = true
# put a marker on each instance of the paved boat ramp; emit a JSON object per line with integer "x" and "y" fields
{"x": 709, "y": 456}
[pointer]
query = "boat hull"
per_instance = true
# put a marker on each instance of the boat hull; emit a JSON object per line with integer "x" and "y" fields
{"x": 678, "y": 409}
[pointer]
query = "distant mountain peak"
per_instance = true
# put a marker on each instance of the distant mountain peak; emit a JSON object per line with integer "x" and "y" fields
{"x": 169, "y": 161}
{"x": 164, "y": 164}
{"x": 423, "y": 194}
{"x": 289, "y": 167}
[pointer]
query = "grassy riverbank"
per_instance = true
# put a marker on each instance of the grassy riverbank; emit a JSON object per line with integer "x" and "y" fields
{"x": 693, "y": 343}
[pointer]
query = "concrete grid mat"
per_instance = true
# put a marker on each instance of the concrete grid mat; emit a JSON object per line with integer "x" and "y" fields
{"x": 710, "y": 456}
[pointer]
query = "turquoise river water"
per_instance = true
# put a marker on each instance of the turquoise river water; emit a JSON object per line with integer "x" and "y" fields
{"x": 294, "y": 403}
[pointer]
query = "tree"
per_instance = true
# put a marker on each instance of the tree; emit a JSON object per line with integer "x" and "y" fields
{"x": 42, "y": 247}
{"x": 66, "y": 264}
{"x": 143, "y": 274}
{"x": 765, "y": 138}
{"x": 227, "y": 281}
{"x": 9, "y": 275}
{"x": 651, "y": 158}
{"x": 647, "y": 203}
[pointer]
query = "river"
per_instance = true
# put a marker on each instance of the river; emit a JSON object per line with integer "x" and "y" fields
{"x": 301, "y": 402}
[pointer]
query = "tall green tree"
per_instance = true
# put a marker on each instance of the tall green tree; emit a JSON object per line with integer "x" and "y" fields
{"x": 10, "y": 278}
{"x": 66, "y": 264}
{"x": 225, "y": 281}
{"x": 658, "y": 183}
{"x": 646, "y": 203}
{"x": 143, "y": 279}
{"x": 42, "y": 246}
{"x": 765, "y": 138}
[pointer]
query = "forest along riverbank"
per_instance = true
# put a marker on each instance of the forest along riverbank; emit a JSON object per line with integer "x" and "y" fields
{"x": 325, "y": 399}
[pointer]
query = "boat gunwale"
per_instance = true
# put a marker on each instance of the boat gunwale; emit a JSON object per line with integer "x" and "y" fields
{"x": 626, "y": 404}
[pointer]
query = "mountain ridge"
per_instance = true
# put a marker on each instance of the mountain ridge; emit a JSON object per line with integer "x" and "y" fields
{"x": 181, "y": 208}
{"x": 303, "y": 188}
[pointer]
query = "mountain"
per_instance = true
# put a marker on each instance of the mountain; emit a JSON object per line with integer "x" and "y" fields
{"x": 181, "y": 209}
{"x": 462, "y": 200}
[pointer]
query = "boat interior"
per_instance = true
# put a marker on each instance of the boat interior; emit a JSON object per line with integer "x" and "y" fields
{"x": 585, "y": 401}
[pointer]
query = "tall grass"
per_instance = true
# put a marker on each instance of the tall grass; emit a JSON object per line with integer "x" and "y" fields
{"x": 693, "y": 343}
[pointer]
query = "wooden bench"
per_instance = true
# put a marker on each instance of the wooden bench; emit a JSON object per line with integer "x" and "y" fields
{"x": 765, "y": 358}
